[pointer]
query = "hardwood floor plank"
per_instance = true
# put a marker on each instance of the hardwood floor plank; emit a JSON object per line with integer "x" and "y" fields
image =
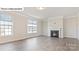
{"x": 42, "y": 44}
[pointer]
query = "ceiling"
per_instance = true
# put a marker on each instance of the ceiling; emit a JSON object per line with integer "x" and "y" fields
{"x": 51, "y": 11}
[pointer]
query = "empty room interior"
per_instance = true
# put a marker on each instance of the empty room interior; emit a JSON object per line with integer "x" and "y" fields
{"x": 40, "y": 29}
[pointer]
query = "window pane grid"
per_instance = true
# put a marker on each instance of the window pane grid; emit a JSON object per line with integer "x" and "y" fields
{"x": 32, "y": 26}
{"x": 5, "y": 25}
{"x": 6, "y": 31}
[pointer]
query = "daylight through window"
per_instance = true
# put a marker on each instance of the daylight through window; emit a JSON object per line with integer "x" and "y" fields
{"x": 32, "y": 26}
{"x": 5, "y": 25}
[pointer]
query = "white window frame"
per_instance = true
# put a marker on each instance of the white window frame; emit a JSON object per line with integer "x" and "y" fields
{"x": 6, "y": 25}
{"x": 32, "y": 26}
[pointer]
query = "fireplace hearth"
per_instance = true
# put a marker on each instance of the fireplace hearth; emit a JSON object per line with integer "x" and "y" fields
{"x": 55, "y": 33}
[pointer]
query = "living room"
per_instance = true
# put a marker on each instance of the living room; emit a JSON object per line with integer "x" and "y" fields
{"x": 40, "y": 28}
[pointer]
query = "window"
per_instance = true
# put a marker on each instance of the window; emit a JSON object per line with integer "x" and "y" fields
{"x": 5, "y": 25}
{"x": 32, "y": 26}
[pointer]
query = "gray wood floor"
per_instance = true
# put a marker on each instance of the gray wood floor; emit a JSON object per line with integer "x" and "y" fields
{"x": 42, "y": 44}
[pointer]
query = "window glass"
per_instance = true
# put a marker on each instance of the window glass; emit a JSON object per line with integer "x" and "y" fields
{"x": 5, "y": 25}
{"x": 32, "y": 26}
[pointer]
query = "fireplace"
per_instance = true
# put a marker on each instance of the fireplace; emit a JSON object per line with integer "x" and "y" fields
{"x": 55, "y": 33}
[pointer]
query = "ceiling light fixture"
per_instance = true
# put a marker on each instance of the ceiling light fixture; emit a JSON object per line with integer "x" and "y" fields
{"x": 40, "y": 8}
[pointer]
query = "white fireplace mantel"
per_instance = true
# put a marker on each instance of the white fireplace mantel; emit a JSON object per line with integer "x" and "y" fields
{"x": 60, "y": 32}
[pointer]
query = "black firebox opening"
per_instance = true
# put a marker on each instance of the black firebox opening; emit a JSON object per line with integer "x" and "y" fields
{"x": 55, "y": 33}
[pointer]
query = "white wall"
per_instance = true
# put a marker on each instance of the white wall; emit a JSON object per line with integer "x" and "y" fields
{"x": 78, "y": 26}
{"x": 70, "y": 26}
{"x": 45, "y": 27}
{"x": 20, "y": 28}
